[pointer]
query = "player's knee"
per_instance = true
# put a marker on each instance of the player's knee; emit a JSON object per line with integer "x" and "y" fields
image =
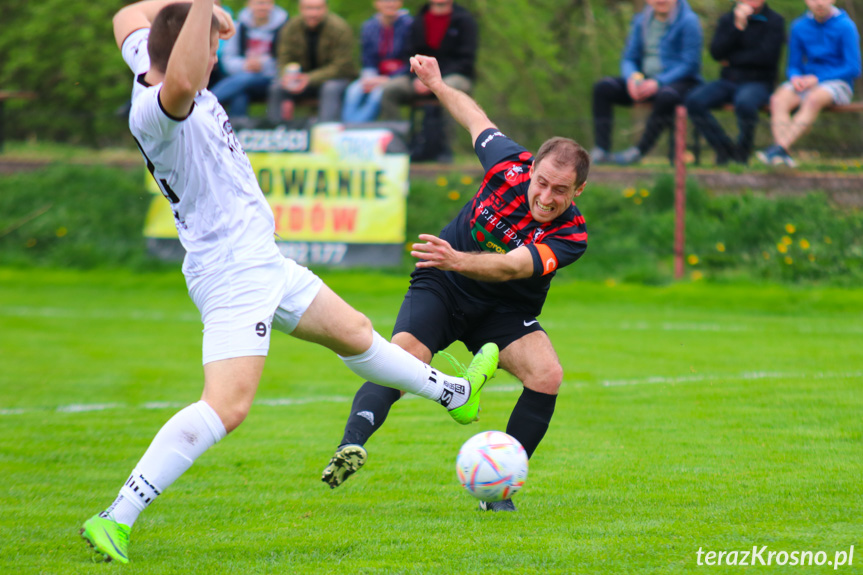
{"x": 356, "y": 333}
{"x": 548, "y": 380}
{"x": 233, "y": 414}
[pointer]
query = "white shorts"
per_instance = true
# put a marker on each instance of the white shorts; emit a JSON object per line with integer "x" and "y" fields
{"x": 839, "y": 89}
{"x": 242, "y": 304}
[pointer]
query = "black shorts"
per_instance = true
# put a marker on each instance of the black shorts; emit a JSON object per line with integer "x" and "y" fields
{"x": 437, "y": 313}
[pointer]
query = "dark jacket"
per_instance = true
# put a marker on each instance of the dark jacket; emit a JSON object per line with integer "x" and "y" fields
{"x": 457, "y": 52}
{"x": 335, "y": 49}
{"x": 753, "y": 53}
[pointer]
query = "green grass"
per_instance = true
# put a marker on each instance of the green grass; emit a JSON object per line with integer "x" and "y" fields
{"x": 691, "y": 416}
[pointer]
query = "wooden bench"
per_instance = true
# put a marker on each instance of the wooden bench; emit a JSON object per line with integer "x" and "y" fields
{"x": 850, "y": 108}
{"x": 10, "y": 95}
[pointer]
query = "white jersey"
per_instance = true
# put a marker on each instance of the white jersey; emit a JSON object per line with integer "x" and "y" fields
{"x": 220, "y": 212}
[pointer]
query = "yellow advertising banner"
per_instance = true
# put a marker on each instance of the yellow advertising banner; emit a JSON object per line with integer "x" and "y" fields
{"x": 344, "y": 189}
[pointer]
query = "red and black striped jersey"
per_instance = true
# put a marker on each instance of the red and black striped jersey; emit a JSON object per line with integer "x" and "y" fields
{"x": 498, "y": 219}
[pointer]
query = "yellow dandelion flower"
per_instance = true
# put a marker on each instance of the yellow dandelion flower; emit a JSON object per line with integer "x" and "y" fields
{"x": 610, "y": 282}
{"x": 453, "y": 195}
{"x": 637, "y": 201}
{"x": 782, "y": 248}
{"x": 720, "y": 247}
{"x": 692, "y": 260}
{"x": 811, "y": 257}
{"x": 844, "y": 166}
{"x": 787, "y": 240}
{"x": 790, "y": 228}
{"x": 31, "y": 242}
{"x": 644, "y": 193}
{"x": 61, "y": 231}
{"x": 696, "y": 275}
{"x": 442, "y": 181}
{"x": 766, "y": 255}
{"x": 827, "y": 240}
{"x": 856, "y": 163}
{"x": 628, "y": 192}
{"x": 804, "y": 243}
{"x": 788, "y": 260}
{"x": 466, "y": 180}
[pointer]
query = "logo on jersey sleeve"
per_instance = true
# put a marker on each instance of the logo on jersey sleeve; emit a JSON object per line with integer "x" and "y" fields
{"x": 549, "y": 260}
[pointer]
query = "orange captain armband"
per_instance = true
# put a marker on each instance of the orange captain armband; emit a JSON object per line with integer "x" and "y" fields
{"x": 547, "y": 257}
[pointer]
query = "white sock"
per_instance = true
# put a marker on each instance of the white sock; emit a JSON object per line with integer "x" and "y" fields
{"x": 187, "y": 435}
{"x": 387, "y": 364}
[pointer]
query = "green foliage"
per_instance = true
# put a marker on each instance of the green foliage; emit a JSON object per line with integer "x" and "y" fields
{"x": 65, "y": 52}
{"x": 73, "y": 215}
{"x": 88, "y": 216}
{"x": 537, "y": 62}
{"x": 778, "y": 239}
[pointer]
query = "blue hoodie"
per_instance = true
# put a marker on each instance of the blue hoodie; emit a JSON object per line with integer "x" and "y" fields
{"x": 679, "y": 48}
{"x": 829, "y": 50}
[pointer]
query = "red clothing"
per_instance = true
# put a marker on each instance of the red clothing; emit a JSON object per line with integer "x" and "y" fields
{"x": 436, "y": 26}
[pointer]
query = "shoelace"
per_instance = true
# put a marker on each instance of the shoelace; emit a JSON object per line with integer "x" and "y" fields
{"x": 458, "y": 367}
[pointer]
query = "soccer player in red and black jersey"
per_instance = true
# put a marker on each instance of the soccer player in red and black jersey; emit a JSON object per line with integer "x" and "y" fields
{"x": 485, "y": 278}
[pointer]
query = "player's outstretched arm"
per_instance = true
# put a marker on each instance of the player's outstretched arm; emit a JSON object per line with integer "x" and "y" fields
{"x": 136, "y": 16}
{"x": 189, "y": 61}
{"x": 482, "y": 266}
{"x": 462, "y": 107}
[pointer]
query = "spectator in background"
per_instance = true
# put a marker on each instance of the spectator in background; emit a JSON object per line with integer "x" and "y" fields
{"x": 219, "y": 70}
{"x": 747, "y": 44}
{"x": 384, "y": 53}
{"x": 661, "y": 63}
{"x": 250, "y": 58}
{"x": 321, "y": 45}
{"x": 447, "y": 32}
{"x": 823, "y": 62}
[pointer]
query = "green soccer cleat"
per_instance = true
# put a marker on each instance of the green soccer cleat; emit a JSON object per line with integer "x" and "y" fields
{"x": 480, "y": 370}
{"x": 109, "y": 538}
{"x": 346, "y": 461}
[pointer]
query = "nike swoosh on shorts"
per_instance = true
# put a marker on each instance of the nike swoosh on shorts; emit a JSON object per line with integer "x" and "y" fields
{"x": 530, "y": 323}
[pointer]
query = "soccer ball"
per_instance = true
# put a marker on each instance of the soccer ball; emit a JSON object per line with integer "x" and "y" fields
{"x": 492, "y": 465}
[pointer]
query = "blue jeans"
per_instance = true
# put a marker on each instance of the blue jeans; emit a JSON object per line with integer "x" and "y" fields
{"x": 748, "y": 98}
{"x": 361, "y": 106}
{"x": 235, "y": 92}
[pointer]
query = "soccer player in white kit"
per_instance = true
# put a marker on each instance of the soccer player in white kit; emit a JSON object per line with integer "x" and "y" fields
{"x": 235, "y": 273}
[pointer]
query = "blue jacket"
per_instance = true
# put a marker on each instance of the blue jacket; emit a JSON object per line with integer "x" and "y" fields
{"x": 679, "y": 48}
{"x": 829, "y": 50}
{"x": 370, "y": 39}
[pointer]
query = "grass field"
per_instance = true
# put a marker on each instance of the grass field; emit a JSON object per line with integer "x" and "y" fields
{"x": 695, "y": 416}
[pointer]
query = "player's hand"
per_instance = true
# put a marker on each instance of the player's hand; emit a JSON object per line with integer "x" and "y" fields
{"x": 632, "y": 85}
{"x": 810, "y": 81}
{"x": 646, "y": 89}
{"x": 427, "y": 70}
{"x": 803, "y": 83}
{"x": 435, "y": 253}
{"x": 226, "y": 23}
{"x": 252, "y": 64}
{"x": 742, "y": 12}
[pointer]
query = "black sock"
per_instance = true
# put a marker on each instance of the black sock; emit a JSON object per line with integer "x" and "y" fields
{"x": 369, "y": 411}
{"x": 530, "y": 417}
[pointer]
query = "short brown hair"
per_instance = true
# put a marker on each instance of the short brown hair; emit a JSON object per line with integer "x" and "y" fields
{"x": 164, "y": 31}
{"x": 566, "y": 152}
